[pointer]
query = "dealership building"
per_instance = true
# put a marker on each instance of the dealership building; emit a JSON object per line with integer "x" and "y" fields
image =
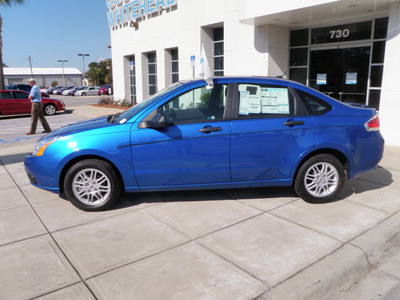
{"x": 348, "y": 49}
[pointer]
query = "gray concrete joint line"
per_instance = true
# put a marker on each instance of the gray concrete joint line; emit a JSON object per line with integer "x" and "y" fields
{"x": 51, "y": 235}
{"x": 363, "y": 205}
{"x": 56, "y": 290}
{"x": 301, "y": 225}
{"x": 195, "y": 240}
{"x": 240, "y": 268}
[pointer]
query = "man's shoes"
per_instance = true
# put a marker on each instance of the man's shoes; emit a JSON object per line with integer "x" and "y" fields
{"x": 29, "y": 133}
{"x": 46, "y": 131}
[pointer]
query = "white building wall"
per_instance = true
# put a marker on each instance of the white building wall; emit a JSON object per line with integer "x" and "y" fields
{"x": 255, "y": 8}
{"x": 248, "y": 50}
{"x": 390, "y": 98}
{"x": 255, "y": 50}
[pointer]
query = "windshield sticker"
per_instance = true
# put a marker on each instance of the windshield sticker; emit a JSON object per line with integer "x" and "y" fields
{"x": 123, "y": 121}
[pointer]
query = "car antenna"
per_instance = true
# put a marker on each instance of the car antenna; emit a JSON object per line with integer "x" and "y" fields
{"x": 281, "y": 76}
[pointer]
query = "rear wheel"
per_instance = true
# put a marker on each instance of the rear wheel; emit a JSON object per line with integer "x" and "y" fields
{"x": 320, "y": 179}
{"x": 83, "y": 94}
{"x": 49, "y": 109}
{"x": 92, "y": 185}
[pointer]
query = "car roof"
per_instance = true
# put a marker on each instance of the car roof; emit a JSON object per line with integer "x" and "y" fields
{"x": 239, "y": 78}
{"x": 14, "y": 91}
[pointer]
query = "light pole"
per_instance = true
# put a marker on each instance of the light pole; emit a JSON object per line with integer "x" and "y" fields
{"x": 63, "y": 61}
{"x": 83, "y": 69}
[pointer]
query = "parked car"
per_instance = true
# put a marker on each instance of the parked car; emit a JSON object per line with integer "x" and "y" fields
{"x": 60, "y": 91}
{"x": 50, "y": 90}
{"x": 55, "y": 91}
{"x": 17, "y": 102}
{"x": 72, "y": 92}
{"x": 88, "y": 91}
{"x": 106, "y": 90}
{"x": 244, "y": 132}
{"x": 66, "y": 91}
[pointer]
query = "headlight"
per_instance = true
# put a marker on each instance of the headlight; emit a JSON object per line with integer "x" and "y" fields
{"x": 41, "y": 146}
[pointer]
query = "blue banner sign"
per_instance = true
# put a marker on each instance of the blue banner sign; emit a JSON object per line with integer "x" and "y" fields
{"x": 121, "y": 11}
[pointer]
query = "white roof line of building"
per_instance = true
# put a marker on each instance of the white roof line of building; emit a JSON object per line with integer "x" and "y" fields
{"x": 40, "y": 71}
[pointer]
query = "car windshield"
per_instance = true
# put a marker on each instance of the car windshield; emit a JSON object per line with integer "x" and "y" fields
{"x": 122, "y": 118}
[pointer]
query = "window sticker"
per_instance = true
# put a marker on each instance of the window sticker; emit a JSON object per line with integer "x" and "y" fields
{"x": 351, "y": 78}
{"x": 244, "y": 103}
{"x": 321, "y": 79}
{"x": 275, "y": 101}
{"x": 254, "y": 104}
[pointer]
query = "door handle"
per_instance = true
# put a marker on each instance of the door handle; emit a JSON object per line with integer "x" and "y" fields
{"x": 210, "y": 129}
{"x": 292, "y": 123}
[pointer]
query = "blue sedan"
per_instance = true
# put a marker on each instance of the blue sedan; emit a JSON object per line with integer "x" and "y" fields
{"x": 242, "y": 132}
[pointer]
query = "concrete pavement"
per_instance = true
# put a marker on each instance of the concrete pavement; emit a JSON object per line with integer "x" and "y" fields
{"x": 263, "y": 243}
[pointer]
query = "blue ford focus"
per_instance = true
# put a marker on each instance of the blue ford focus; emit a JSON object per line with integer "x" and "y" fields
{"x": 242, "y": 132}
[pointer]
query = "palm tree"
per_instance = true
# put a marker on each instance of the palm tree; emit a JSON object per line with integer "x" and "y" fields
{"x": 4, "y": 3}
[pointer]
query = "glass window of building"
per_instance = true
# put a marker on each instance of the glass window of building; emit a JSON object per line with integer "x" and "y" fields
{"x": 349, "y": 68}
{"x": 218, "y": 38}
{"x": 152, "y": 69}
{"x": 175, "y": 65}
{"x": 132, "y": 72}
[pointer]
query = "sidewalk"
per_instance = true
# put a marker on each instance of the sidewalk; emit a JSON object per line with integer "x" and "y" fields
{"x": 263, "y": 243}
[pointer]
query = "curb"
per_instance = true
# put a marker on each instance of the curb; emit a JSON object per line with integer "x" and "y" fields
{"x": 334, "y": 275}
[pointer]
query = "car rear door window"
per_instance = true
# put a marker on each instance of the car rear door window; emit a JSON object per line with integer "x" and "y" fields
{"x": 20, "y": 95}
{"x": 263, "y": 101}
{"x": 313, "y": 104}
{"x": 197, "y": 105}
{"x": 6, "y": 95}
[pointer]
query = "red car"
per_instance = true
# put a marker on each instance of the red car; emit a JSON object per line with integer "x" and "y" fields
{"x": 17, "y": 103}
{"x": 105, "y": 90}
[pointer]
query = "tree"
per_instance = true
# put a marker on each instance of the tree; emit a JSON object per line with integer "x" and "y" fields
{"x": 4, "y": 3}
{"x": 4, "y": 65}
{"x": 100, "y": 73}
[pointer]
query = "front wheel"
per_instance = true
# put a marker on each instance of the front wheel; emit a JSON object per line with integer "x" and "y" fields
{"x": 83, "y": 94}
{"x": 92, "y": 185}
{"x": 320, "y": 179}
{"x": 49, "y": 110}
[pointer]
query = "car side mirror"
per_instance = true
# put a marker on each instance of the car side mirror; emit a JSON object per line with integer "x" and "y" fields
{"x": 158, "y": 121}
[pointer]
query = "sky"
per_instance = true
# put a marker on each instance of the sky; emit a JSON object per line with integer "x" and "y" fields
{"x": 51, "y": 30}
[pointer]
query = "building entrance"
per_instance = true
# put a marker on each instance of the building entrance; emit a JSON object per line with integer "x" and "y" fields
{"x": 341, "y": 73}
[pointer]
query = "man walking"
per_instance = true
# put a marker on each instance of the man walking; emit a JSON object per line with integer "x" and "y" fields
{"x": 37, "y": 108}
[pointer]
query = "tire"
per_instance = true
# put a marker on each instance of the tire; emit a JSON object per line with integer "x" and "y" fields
{"x": 49, "y": 109}
{"x": 83, "y": 94}
{"x": 83, "y": 189}
{"x": 320, "y": 179}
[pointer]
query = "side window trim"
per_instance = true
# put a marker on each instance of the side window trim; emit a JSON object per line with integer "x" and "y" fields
{"x": 300, "y": 107}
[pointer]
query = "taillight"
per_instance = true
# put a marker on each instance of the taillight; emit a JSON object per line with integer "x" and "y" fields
{"x": 373, "y": 124}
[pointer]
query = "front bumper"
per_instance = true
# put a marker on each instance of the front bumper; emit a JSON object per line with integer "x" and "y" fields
{"x": 42, "y": 173}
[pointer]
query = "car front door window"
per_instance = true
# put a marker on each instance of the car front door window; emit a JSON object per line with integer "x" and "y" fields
{"x": 197, "y": 105}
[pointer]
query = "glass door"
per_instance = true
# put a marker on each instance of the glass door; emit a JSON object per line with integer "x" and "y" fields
{"x": 341, "y": 73}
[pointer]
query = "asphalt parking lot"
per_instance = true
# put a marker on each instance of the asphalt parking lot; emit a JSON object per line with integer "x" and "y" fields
{"x": 262, "y": 243}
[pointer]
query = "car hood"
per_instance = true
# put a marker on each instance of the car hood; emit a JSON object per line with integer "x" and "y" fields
{"x": 80, "y": 127}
